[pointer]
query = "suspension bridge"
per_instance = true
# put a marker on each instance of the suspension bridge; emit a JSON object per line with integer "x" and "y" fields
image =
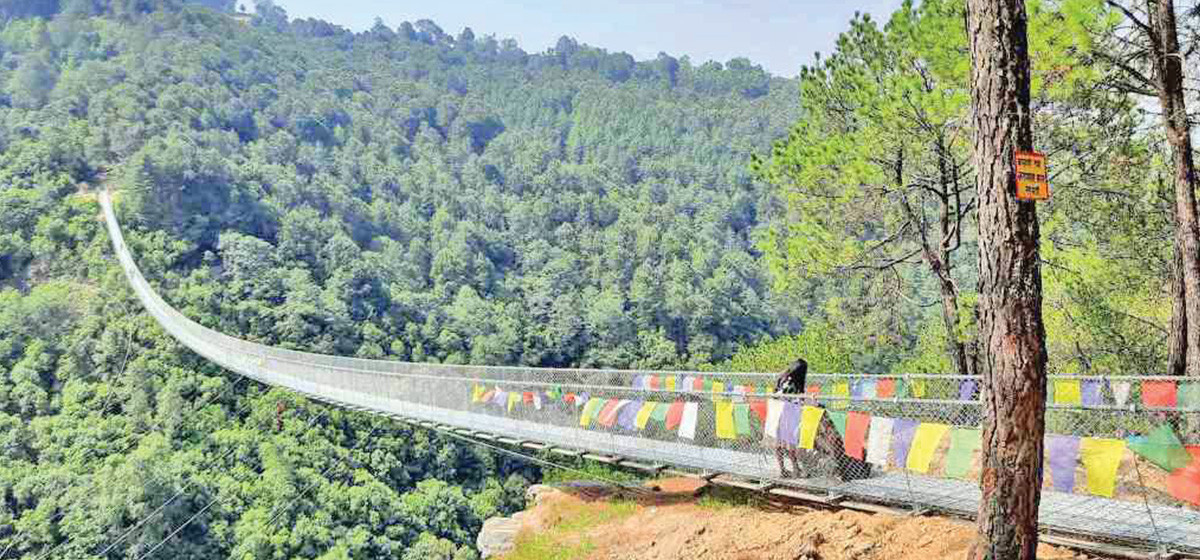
{"x": 544, "y": 409}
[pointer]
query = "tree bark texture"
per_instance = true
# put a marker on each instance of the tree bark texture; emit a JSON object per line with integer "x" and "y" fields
{"x": 1011, "y": 333}
{"x": 1177, "y": 356}
{"x": 1168, "y": 77}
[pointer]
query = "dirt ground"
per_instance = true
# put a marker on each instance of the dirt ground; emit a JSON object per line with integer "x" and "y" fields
{"x": 683, "y": 527}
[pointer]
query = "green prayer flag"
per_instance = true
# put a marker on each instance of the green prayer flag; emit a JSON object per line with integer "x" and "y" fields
{"x": 660, "y": 412}
{"x": 839, "y": 422}
{"x": 901, "y": 389}
{"x": 741, "y": 418}
{"x": 1189, "y": 395}
{"x": 963, "y": 445}
{"x": 1163, "y": 448}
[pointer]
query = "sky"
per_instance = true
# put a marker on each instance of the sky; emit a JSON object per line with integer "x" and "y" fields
{"x": 780, "y": 35}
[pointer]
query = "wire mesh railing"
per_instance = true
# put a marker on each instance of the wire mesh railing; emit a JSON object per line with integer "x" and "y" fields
{"x": 1123, "y": 462}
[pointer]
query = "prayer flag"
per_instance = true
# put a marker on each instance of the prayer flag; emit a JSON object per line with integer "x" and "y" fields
{"x": 879, "y": 440}
{"x": 724, "y": 414}
{"x": 966, "y": 390}
{"x": 1067, "y": 391}
{"x": 644, "y": 413}
{"x": 840, "y": 390}
{"x": 925, "y": 443}
{"x": 857, "y": 424}
{"x": 1162, "y": 448}
{"x": 501, "y": 397}
{"x": 870, "y": 390}
{"x": 902, "y": 436}
{"x": 654, "y": 383}
{"x": 718, "y": 387}
{"x": 1189, "y": 396}
{"x": 627, "y": 417}
{"x": 589, "y": 412}
{"x": 813, "y": 389}
{"x": 689, "y": 383}
{"x": 741, "y": 419}
{"x": 901, "y": 389}
{"x": 856, "y": 389}
{"x": 1184, "y": 484}
{"x": 639, "y": 381}
{"x": 839, "y": 422}
{"x": 1101, "y": 458}
{"x": 608, "y": 414}
{"x": 1159, "y": 393}
{"x": 885, "y": 388}
{"x": 698, "y": 384}
{"x": 476, "y": 393}
{"x": 513, "y": 398}
{"x": 963, "y": 445}
{"x": 674, "y": 415}
{"x": 1091, "y": 393}
{"x": 1062, "y": 453}
{"x": 670, "y": 382}
{"x": 771, "y": 424}
{"x": 537, "y": 401}
{"x": 759, "y": 407}
{"x": 660, "y": 412}
{"x": 707, "y": 386}
{"x": 810, "y": 422}
{"x": 687, "y": 426}
{"x": 789, "y": 423}
{"x": 527, "y": 396}
{"x": 488, "y": 396}
{"x": 917, "y": 388}
{"x": 1121, "y": 392}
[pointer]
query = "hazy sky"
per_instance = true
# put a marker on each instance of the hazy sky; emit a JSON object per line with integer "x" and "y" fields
{"x": 778, "y": 34}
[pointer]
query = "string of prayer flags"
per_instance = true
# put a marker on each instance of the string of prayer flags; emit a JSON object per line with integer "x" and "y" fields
{"x": 925, "y": 443}
{"x": 963, "y": 445}
{"x": 839, "y": 422}
{"x": 674, "y": 415}
{"x": 1184, "y": 484}
{"x": 1163, "y": 448}
{"x": 1101, "y": 458}
{"x": 724, "y": 413}
{"x": 687, "y": 425}
{"x": 879, "y": 440}
{"x": 1159, "y": 393}
{"x": 903, "y": 432}
{"x": 885, "y": 388}
{"x": 1062, "y": 452}
{"x": 644, "y": 414}
{"x": 1121, "y": 391}
{"x": 855, "y": 437}
{"x": 966, "y": 390}
{"x": 789, "y": 424}
{"x": 810, "y": 421}
{"x": 1067, "y": 391}
{"x": 741, "y": 419}
{"x": 1091, "y": 393}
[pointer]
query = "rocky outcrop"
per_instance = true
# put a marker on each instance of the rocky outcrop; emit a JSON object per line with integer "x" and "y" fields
{"x": 499, "y": 534}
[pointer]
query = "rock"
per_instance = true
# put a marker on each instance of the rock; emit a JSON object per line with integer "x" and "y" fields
{"x": 498, "y": 536}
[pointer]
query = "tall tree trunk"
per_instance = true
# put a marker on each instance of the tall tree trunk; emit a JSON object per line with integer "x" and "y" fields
{"x": 1177, "y": 358}
{"x": 1011, "y": 333}
{"x": 1168, "y": 66}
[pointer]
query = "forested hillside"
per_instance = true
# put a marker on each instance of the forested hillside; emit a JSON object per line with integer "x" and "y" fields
{"x": 398, "y": 193}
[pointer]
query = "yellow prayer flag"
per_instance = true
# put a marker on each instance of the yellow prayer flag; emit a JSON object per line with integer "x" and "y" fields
{"x": 589, "y": 412}
{"x": 513, "y": 398}
{"x": 925, "y": 443}
{"x": 841, "y": 390}
{"x": 1067, "y": 391}
{"x": 725, "y": 425}
{"x": 810, "y": 422}
{"x": 1101, "y": 457}
{"x": 918, "y": 388}
{"x": 644, "y": 413}
{"x": 476, "y": 393}
{"x": 718, "y": 387}
{"x": 670, "y": 382}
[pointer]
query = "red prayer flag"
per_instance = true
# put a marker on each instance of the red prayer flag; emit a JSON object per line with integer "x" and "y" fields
{"x": 654, "y": 382}
{"x": 569, "y": 398}
{"x": 1159, "y": 393}
{"x": 528, "y": 397}
{"x": 885, "y": 388}
{"x": 813, "y": 389}
{"x": 856, "y": 434}
{"x": 487, "y": 397}
{"x": 674, "y": 415}
{"x": 759, "y": 408}
{"x": 1184, "y": 483}
{"x": 698, "y": 384}
{"x": 608, "y": 414}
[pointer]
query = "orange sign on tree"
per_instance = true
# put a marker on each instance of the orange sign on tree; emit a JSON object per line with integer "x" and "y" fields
{"x": 1032, "y": 181}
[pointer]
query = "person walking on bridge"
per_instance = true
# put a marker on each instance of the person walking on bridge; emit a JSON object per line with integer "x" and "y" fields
{"x": 790, "y": 382}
